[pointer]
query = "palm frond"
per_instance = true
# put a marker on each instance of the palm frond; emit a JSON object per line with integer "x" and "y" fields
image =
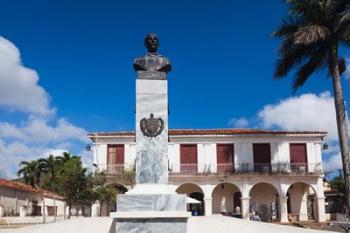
{"x": 305, "y": 71}
{"x": 311, "y": 34}
{"x": 343, "y": 25}
{"x": 288, "y": 27}
{"x": 290, "y": 56}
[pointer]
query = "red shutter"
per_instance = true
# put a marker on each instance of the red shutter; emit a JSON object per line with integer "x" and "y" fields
{"x": 188, "y": 158}
{"x": 115, "y": 158}
{"x": 298, "y": 153}
{"x": 262, "y": 153}
{"x": 115, "y": 154}
{"x": 262, "y": 157}
{"x": 224, "y": 156}
{"x": 188, "y": 154}
{"x": 224, "y": 153}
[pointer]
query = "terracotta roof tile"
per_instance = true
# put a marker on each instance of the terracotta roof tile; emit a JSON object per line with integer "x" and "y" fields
{"x": 184, "y": 132}
{"x": 27, "y": 188}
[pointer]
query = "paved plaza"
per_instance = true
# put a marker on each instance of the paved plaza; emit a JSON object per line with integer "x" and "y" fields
{"x": 208, "y": 224}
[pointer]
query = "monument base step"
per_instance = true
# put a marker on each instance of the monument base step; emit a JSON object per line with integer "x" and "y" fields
{"x": 149, "y": 214}
{"x": 151, "y": 189}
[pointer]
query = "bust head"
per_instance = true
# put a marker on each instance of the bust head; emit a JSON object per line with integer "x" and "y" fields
{"x": 152, "y": 42}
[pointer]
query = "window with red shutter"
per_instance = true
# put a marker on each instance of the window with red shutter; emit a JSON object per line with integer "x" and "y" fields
{"x": 298, "y": 156}
{"x": 115, "y": 158}
{"x": 225, "y": 157}
{"x": 188, "y": 158}
{"x": 262, "y": 157}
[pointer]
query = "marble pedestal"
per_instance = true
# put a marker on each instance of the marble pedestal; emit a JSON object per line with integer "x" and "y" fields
{"x": 151, "y": 213}
{"x": 151, "y": 206}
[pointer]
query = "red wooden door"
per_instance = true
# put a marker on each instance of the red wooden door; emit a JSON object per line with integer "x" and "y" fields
{"x": 224, "y": 157}
{"x": 188, "y": 158}
{"x": 262, "y": 157}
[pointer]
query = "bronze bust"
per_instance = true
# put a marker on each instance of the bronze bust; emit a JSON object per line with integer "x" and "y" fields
{"x": 152, "y": 61}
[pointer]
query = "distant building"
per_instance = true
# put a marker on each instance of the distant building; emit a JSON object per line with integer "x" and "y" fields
{"x": 277, "y": 174}
{"x": 19, "y": 199}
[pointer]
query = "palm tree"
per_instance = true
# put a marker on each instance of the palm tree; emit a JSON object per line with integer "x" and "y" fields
{"x": 66, "y": 156}
{"x": 31, "y": 172}
{"x": 311, "y": 36}
{"x": 50, "y": 167}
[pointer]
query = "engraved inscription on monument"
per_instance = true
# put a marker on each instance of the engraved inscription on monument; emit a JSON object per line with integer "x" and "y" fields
{"x": 150, "y": 75}
{"x": 151, "y": 127}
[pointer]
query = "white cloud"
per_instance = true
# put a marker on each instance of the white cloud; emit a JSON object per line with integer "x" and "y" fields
{"x": 347, "y": 71}
{"x": 38, "y": 130}
{"x": 239, "y": 122}
{"x": 305, "y": 112}
{"x": 334, "y": 163}
{"x": 54, "y": 152}
{"x": 41, "y": 133}
{"x": 19, "y": 89}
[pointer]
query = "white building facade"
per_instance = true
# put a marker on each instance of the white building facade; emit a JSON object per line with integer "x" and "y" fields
{"x": 21, "y": 203}
{"x": 275, "y": 174}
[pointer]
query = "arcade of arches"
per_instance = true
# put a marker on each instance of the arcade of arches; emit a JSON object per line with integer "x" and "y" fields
{"x": 272, "y": 202}
{"x": 295, "y": 201}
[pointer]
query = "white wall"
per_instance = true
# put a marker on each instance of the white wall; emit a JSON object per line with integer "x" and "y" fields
{"x": 210, "y": 156}
{"x": 129, "y": 155}
{"x": 101, "y": 155}
{"x": 174, "y": 157}
{"x": 243, "y": 154}
{"x": 55, "y": 202}
{"x": 311, "y": 156}
{"x": 201, "y": 158}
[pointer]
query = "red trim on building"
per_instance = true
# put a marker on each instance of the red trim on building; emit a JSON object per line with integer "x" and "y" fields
{"x": 184, "y": 132}
{"x": 27, "y": 188}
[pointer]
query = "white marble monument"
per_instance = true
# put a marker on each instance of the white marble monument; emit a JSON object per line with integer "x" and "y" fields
{"x": 151, "y": 206}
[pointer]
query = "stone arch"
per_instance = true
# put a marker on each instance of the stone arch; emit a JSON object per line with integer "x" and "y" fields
{"x": 313, "y": 186}
{"x": 192, "y": 184}
{"x": 276, "y": 186}
{"x": 302, "y": 202}
{"x": 226, "y": 198}
{"x": 194, "y": 191}
{"x": 264, "y": 200}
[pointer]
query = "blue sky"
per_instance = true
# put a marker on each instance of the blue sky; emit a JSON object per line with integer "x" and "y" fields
{"x": 222, "y": 54}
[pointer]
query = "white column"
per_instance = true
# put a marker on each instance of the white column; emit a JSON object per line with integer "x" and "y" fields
{"x": 283, "y": 209}
{"x": 1, "y": 211}
{"x": 245, "y": 207}
{"x": 208, "y": 205}
{"x": 22, "y": 211}
{"x": 321, "y": 215}
{"x": 95, "y": 209}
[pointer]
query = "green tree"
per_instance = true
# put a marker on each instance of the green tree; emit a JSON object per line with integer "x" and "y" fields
{"x": 50, "y": 167}
{"x": 101, "y": 192}
{"x": 31, "y": 171}
{"x": 66, "y": 156}
{"x": 311, "y": 36}
{"x": 72, "y": 181}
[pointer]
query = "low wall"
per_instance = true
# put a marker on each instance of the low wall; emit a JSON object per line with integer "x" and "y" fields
{"x": 27, "y": 220}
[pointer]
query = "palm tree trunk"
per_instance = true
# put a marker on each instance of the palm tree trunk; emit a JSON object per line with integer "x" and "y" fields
{"x": 342, "y": 125}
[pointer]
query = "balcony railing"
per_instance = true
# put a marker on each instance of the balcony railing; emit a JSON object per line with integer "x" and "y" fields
{"x": 262, "y": 168}
{"x": 189, "y": 168}
{"x": 229, "y": 168}
{"x": 111, "y": 169}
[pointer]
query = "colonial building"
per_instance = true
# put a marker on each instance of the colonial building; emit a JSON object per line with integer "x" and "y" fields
{"x": 19, "y": 199}
{"x": 276, "y": 174}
